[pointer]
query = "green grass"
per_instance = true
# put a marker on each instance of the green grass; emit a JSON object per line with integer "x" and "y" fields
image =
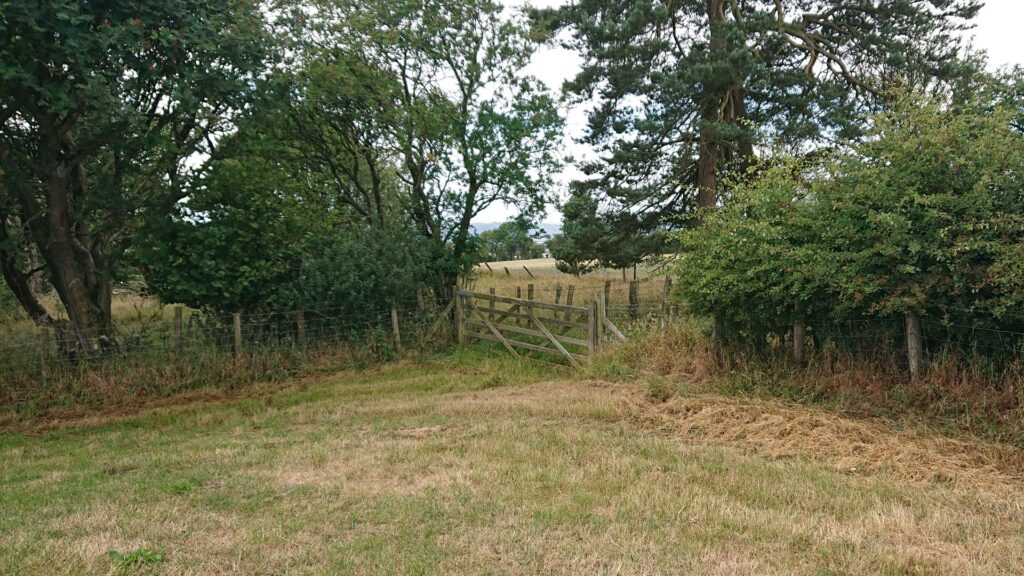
{"x": 465, "y": 464}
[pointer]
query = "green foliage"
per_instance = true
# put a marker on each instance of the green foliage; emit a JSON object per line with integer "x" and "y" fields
{"x": 758, "y": 255}
{"x": 685, "y": 88}
{"x": 513, "y": 240}
{"x": 590, "y": 239}
{"x": 926, "y": 217}
{"x": 138, "y": 557}
{"x": 233, "y": 246}
{"x": 445, "y": 105}
{"x": 249, "y": 240}
{"x": 101, "y": 104}
{"x": 361, "y": 272}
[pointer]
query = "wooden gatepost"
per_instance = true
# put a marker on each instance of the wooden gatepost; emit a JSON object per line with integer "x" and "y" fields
{"x": 573, "y": 333}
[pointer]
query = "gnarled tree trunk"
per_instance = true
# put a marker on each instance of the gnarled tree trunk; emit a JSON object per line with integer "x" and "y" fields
{"x": 79, "y": 272}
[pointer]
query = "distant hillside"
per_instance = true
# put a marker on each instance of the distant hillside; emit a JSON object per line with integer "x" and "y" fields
{"x": 549, "y": 228}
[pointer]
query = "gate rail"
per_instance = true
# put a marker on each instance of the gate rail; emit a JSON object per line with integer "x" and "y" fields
{"x": 574, "y": 333}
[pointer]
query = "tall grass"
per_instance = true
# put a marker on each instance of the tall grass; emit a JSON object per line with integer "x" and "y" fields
{"x": 958, "y": 393}
{"x": 151, "y": 362}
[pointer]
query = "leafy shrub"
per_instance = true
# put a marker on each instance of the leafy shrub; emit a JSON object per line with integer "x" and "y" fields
{"x": 925, "y": 218}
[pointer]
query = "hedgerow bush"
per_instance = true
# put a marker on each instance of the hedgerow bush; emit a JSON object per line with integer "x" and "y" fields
{"x": 925, "y": 218}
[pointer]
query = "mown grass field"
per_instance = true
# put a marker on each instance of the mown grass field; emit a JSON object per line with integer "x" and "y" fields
{"x": 474, "y": 463}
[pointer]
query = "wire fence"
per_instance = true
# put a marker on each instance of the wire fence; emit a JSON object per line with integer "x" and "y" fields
{"x": 158, "y": 353}
{"x": 162, "y": 355}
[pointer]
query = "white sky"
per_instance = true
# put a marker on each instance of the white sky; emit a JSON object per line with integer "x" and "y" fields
{"x": 997, "y": 32}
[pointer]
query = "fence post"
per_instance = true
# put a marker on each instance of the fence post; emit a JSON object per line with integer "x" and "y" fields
{"x": 421, "y": 302}
{"x": 507, "y": 273}
{"x": 799, "y": 333}
{"x": 529, "y": 291}
{"x": 459, "y": 328}
{"x": 490, "y": 306}
{"x": 592, "y": 342}
{"x": 634, "y": 299}
{"x": 519, "y": 295}
{"x": 568, "y": 300}
{"x": 44, "y": 352}
{"x": 607, "y": 295}
{"x": 915, "y": 346}
{"x": 300, "y": 323}
{"x": 394, "y": 330}
{"x": 528, "y": 271}
{"x": 717, "y": 334}
{"x": 601, "y": 307}
{"x": 664, "y": 305}
{"x": 178, "y": 339}
{"x": 237, "y": 319}
{"x": 558, "y": 293}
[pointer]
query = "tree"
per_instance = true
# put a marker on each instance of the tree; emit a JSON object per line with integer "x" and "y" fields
{"x": 101, "y": 105}
{"x": 451, "y": 103}
{"x": 684, "y": 88}
{"x": 253, "y": 237}
{"x": 924, "y": 219}
{"x": 510, "y": 241}
{"x": 592, "y": 239}
{"x": 577, "y": 249}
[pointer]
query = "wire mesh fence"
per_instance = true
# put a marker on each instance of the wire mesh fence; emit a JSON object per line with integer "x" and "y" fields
{"x": 48, "y": 365}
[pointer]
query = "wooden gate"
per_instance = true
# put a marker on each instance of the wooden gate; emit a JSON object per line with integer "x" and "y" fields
{"x": 571, "y": 332}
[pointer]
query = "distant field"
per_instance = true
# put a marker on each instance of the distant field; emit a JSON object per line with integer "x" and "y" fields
{"x": 546, "y": 278}
{"x": 476, "y": 464}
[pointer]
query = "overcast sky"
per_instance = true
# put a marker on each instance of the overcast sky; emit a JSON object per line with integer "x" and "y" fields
{"x": 998, "y": 32}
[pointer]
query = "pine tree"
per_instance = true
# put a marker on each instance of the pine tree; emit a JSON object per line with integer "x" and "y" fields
{"x": 684, "y": 87}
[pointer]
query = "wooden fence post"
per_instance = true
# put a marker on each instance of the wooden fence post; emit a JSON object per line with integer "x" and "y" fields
{"x": 634, "y": 299}
{"x": 601, "y": 307}
{"x": 490, "y": 306}
{"x": 915, "y": 346}
{"x": 664, "y": 305}
{"x": 568, "y": 300}
{"x": 44, "y": 353}
{"x": 507, "y": 273}
{"x": 394, "y": 330}
{"x": 528, "y": 271}
{"x": 558, "y": 293}
{"x": 607, "y": 295}
{"x": 488, "y": 267}
{"x": 717, "y": 334}
{"x": 799, "y": 333}
{"x": 529, "y": 291}
{"x": 300, "y": 322}
{"x": 593, "y": 345}
{"x": 237, "y": 319}
{"x": 459, "y": 315}
{"x": 421, "y": 303}
{"x": 519, "y": 295}
{"x": 178, "y": 338}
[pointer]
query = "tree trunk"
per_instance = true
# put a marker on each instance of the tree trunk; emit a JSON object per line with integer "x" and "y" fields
{"x": 19, "y": 281}
{"x": 78, "y": 271}
{"x": 708, "y": 152}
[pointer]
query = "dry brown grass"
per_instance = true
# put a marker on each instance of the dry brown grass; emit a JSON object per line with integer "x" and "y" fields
{"x": 954, "y": 396}
{"x": 546, "y": 278}
{"x": 472, "y": 468}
